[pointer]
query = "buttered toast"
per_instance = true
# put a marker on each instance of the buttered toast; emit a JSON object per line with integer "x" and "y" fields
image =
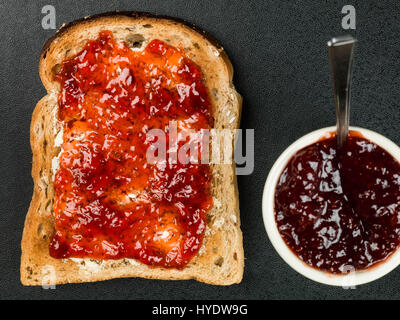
{"x": 220, "y": 260}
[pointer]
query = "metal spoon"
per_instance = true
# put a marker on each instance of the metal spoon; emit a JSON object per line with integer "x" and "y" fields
{"x": 341, "y": 50}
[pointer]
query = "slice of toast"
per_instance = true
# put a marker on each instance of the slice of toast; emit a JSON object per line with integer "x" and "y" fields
{"x": 220, "y": 260}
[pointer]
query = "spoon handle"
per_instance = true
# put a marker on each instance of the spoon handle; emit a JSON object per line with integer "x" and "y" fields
{"x": 341, "y": 50}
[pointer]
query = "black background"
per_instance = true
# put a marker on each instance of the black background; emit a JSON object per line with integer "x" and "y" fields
{"x": 278, "y": 49}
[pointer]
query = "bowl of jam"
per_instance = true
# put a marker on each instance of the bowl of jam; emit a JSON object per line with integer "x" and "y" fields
{"x": 334, "y": 215}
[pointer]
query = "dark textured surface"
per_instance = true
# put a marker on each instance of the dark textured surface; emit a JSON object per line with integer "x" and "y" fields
{"x": 281, "y": 69}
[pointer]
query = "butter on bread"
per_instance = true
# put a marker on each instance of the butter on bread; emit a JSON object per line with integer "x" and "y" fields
{"x": 220, "y": 261}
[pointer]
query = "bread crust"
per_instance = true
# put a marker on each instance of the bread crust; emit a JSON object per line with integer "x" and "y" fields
{"x": 221, "y": 259}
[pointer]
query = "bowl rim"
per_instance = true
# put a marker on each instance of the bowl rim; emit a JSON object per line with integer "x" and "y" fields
{"x": 353, "y": 278}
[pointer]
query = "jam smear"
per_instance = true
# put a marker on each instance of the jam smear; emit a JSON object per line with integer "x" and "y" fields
{"x": 110, "y": 202}
{"x": 339, "y": 212}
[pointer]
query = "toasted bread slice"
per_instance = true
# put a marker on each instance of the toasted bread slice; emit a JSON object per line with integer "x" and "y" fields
{"x": 220, "y": 261}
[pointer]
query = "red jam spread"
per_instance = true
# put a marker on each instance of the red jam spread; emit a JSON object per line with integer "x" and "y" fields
{"x": 110, "y": 202}
{"x": 340, "y": 212}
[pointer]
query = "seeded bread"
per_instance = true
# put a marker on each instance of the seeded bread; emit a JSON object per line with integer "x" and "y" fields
{"x": 220, "y": 260}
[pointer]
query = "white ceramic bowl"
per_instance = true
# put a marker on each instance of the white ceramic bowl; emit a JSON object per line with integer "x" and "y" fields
{"x": 353, "y": 278}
